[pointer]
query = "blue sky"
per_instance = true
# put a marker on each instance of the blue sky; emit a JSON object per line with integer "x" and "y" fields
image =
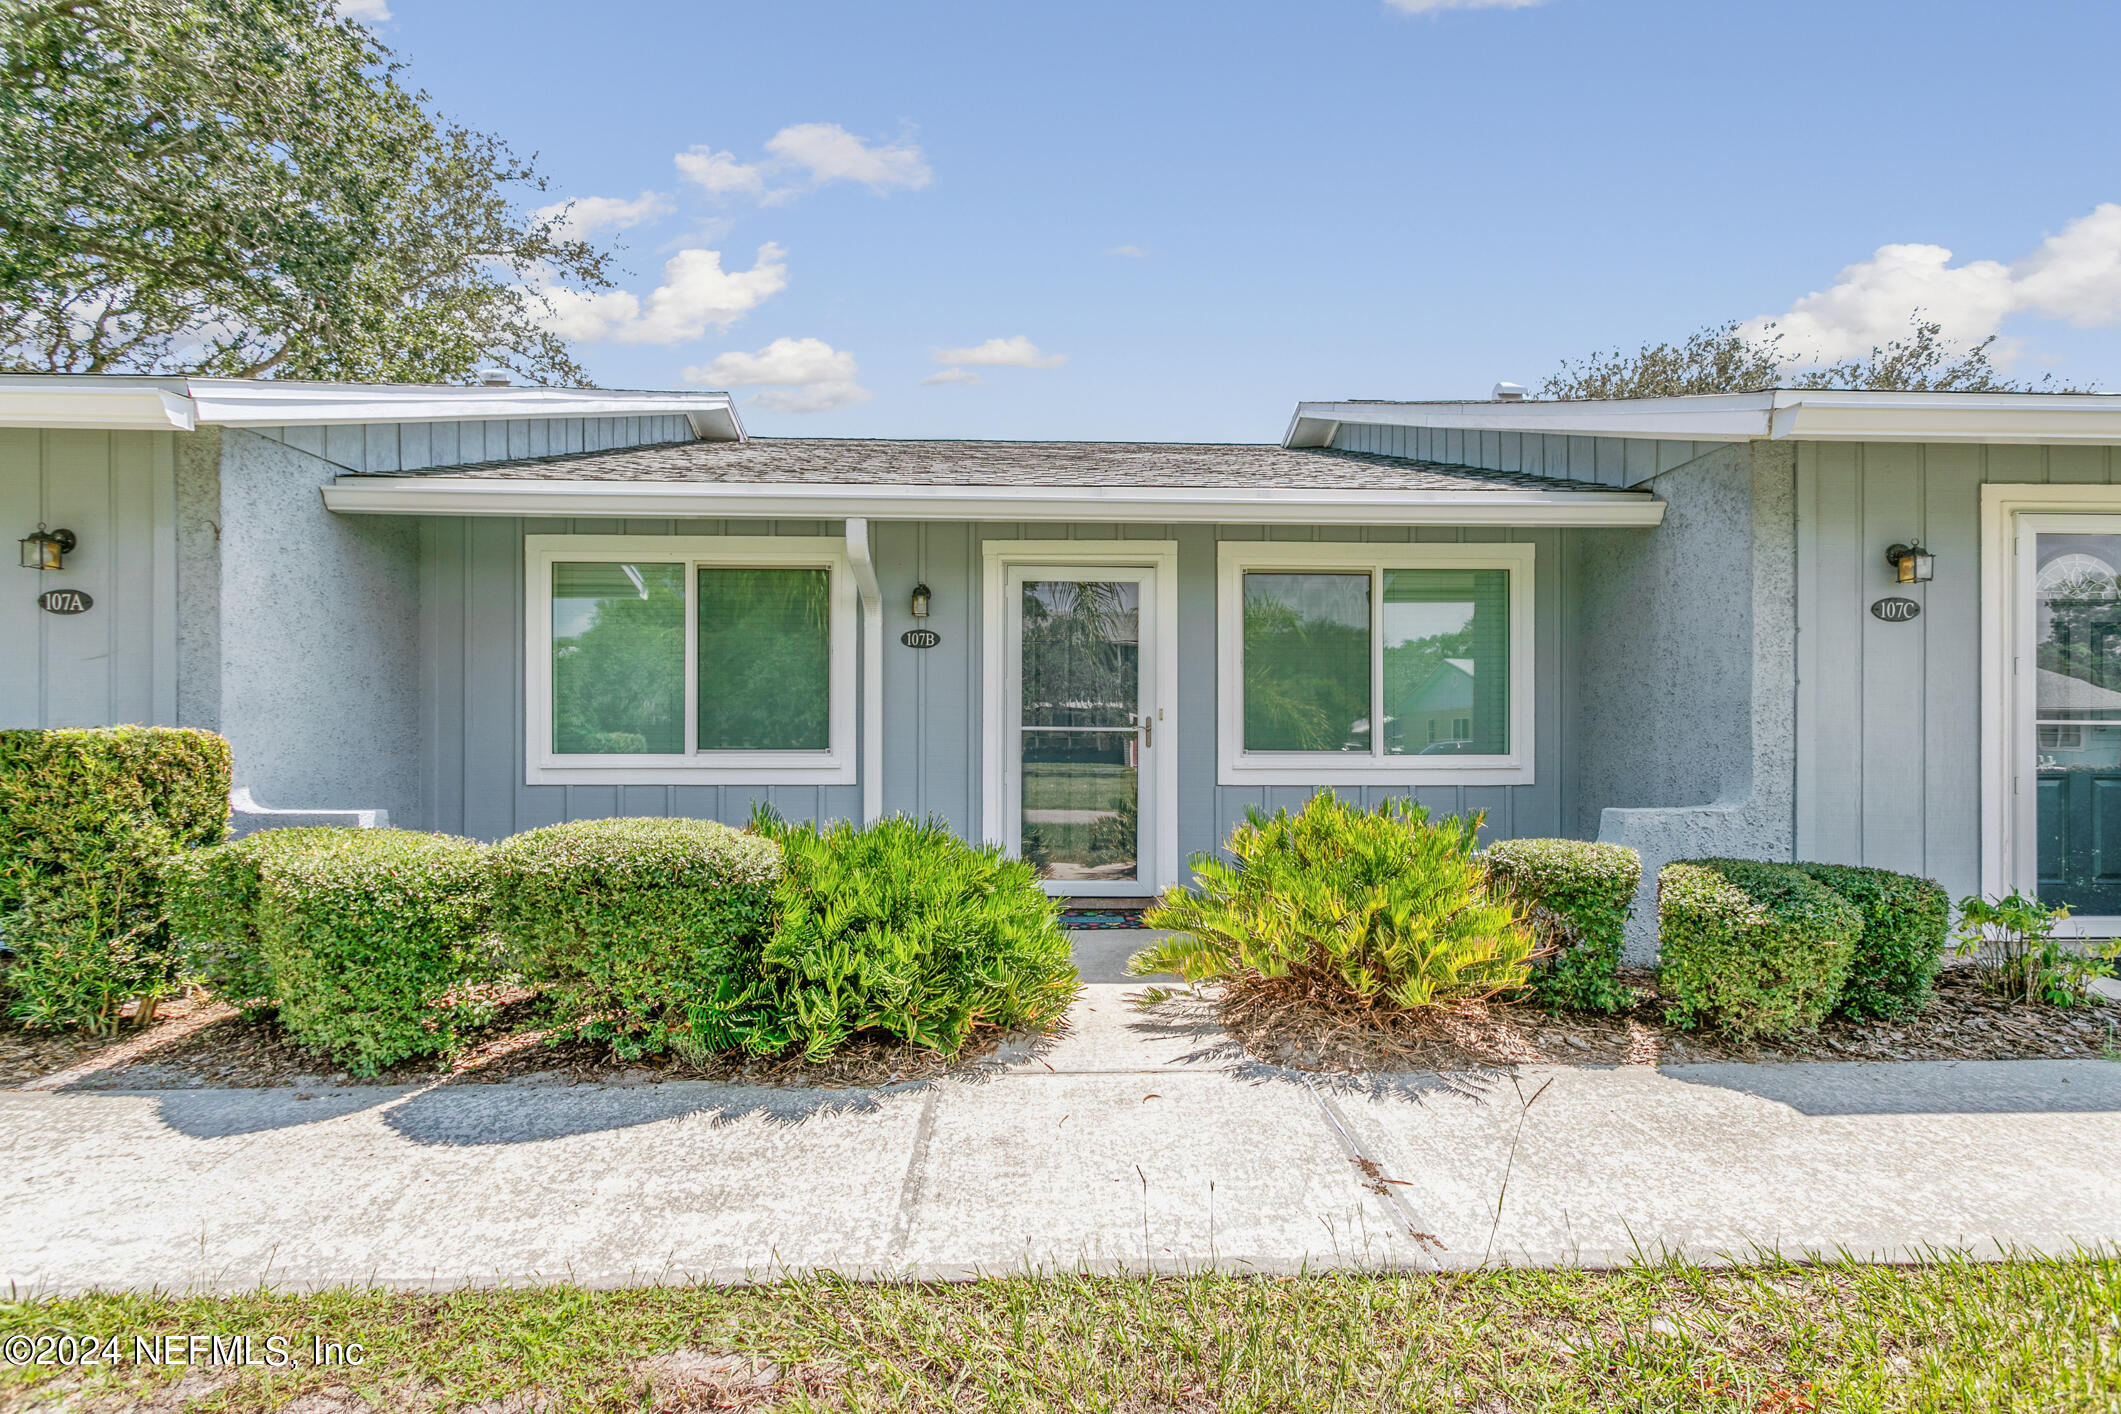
{"x": 1173, "y": 221}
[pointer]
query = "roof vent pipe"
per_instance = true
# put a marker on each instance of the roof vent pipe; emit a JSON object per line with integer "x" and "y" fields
{"x": 493, "y": 377}
{"x": 1509, "y": 392}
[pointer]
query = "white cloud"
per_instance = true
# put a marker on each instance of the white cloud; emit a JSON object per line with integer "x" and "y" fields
{"x": 367, "y": 11}
{"x": 1430, "y": 7}
{"x": 951, "y": 375}
{"x": 802, "y": 158}
{"x": 832, "y": 154}
{"x": 1132, "y": 252}
{"x": 799, "y": 375}
{"x": 696, "y": 294}
{"x": 720, "y": 173}
{"x": 817, "y": 397}
{"x": 1870, "y": 304}
{"x": 1015, "y": 351}
{"x": 2073, "y": 275}
{"x": 2077, "y": 275}
{"x": 782, "y": 361}
{"x": 586, "y": 214}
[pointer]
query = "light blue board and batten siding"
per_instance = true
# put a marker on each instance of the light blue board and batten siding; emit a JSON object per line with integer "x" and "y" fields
{"x": 1889, "y": 714}
{"x": 417, "y": 446}
{"x": 1599, "y": 461}
{"x": 472, "y": 674}
{"x": 117, "y": 662}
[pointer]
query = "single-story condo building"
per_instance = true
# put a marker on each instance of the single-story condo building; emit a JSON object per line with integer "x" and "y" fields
{"x": 1879, "y": 628}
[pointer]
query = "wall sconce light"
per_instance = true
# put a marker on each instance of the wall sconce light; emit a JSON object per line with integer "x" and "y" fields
{"x": 46, "y": 549}
{"x": 920, "y": 601}
{"x": 1911, "y": 564}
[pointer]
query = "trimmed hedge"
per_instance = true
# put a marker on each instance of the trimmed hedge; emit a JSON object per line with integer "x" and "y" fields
{"x": 1750, "y": 947}
{"x": 1906, "y": 923}
{"x": 87, "y": 817}
{"x": 1578, "y": 896}
{"x": 899, "y": 927}
{"x": 212, "y": 897}
{"x": 633, "y": 923}
{"x": 373, "y": 941}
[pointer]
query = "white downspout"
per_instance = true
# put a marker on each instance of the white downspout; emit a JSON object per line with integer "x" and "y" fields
{"x": 872, "y": 763}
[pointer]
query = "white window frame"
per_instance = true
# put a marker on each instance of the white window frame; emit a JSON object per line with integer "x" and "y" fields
{"x": 1238, "y": 767}
{"x": 833, "y": 766}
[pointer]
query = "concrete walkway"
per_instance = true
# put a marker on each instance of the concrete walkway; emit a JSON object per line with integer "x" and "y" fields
{"x": 1138, "y": 1139}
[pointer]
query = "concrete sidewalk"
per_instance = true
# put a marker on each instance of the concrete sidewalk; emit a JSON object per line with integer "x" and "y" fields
{"x": 1136, "y": 1140}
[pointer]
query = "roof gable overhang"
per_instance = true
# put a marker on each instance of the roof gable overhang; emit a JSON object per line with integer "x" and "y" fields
{"x": 1793, "y": 414}
{"x": 182, "y": 404}
{"x": 1232, "y": 505}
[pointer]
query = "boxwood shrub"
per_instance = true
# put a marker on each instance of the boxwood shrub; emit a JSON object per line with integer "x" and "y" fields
{"x": 1578, "y": 896}
{"x": 1749, "y": 947}
{"x": 374, "y": 941}
{"x": 1906, "y": 923}
{"x": 631, "y": 924}
{"x": 212, "y": 898}
{"x": 897, "y": 928}
{"x": 87, "y": 817}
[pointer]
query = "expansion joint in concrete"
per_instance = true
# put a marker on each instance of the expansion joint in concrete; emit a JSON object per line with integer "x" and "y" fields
{"x": 909, "y": 1193}
{"x": 1372, "y": 1177}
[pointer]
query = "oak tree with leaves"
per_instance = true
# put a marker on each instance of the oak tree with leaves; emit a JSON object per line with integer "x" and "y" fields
{"x": 245, "y": 188}
{"x": 1734, "y": 358}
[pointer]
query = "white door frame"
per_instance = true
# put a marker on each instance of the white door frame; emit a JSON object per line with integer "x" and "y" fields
{"x": 2011, "y": 515}
{"x": 1158, "y": 775}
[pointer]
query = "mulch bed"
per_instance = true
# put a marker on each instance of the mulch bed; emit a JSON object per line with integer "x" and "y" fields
{"x": 196, "y": 1043}
{"x": 1961, "y": 1022}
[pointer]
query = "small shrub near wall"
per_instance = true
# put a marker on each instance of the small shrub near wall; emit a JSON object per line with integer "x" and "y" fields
{"x": 1906, "y": 922}
{"x": 87, "y": 818}
{"x": 1380, "y": 907}
{"x": 1751, "y": 948}
{"x": 898, "y": 928}
{"x": 212, "y": 897}
{"x": 374, "y": 942}
{"x": 1577, "y": 897}
{"x": 631, "y": 924}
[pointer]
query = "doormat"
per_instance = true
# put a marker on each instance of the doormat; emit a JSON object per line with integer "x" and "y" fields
{"x": 1086, "y": 918}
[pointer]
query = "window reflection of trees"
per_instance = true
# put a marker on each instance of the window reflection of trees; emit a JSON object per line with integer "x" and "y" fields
{"x": 1081, "y": 653}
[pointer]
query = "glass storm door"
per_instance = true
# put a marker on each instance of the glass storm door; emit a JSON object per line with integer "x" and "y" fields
{"x": 1082, "y": 723}
{"x": 2077, "y": 719}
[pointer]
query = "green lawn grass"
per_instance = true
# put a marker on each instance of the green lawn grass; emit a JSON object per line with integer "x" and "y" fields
{"x": 1950, "y": 1336}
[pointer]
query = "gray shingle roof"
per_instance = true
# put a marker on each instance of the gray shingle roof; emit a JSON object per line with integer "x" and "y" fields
{"x": 871, "y": 461}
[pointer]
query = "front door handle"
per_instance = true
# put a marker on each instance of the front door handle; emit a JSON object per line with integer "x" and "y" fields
{"x": 1146, "y": 727}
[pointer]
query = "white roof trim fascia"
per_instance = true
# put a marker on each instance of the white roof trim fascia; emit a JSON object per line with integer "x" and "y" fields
{"x": 1786, "y": 414}
{"x": 1720, "y": 417}
{"x": 122, "y": 404}
{"x": 182, "y": 404}
{"x": 493, "y": 496}
{"x": 237, "y": 402}
{"x": 2066, "y": 418}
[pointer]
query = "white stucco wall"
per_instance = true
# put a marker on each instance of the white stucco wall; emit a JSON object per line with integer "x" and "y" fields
{"x": 318, "y": 638}
{"x": 1687, "y": 711}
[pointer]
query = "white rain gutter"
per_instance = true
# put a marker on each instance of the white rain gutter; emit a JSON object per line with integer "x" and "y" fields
{"x": 121, "y": 402}
{"x": 1782, "y": 414}
{"x": 863, "y": 563}
{"x": 1224, "y": 505}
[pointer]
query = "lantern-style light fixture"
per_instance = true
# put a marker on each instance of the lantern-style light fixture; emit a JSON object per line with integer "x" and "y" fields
{"x": 920, "y": 601}
{"x": 1911, "y": 564}
{"x": 46, "y": 549}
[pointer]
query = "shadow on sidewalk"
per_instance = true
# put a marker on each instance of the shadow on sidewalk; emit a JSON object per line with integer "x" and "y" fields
{"x": 1920, "y": 1087}
{"x": 226, "y": 1113}
{"x": 472, "y": 1115}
